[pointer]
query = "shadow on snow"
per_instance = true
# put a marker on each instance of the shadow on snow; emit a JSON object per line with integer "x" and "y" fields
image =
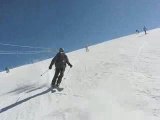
{"x": 26, "y": 88}
{"x": 24, "y": 100}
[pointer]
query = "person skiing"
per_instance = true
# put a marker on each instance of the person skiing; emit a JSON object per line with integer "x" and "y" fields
{"x": 137, "y": 31}
{"x": 87, "y": 49}
{"x": 7, "y": 69}
{"x": 145, "y": 30}
{"x": 60, "y": 61}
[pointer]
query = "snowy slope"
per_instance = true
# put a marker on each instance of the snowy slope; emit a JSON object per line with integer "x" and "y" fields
{"x": 115, "y": 80}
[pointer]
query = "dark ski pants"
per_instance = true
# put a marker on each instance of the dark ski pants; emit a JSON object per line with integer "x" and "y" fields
{"x": 59, "y": 72}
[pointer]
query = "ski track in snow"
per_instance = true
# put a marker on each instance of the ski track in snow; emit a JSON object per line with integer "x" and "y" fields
{"x": 115, "y": 80}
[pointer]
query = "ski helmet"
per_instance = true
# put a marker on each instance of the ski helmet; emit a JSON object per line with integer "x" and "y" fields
{"x": 61, "y": 50}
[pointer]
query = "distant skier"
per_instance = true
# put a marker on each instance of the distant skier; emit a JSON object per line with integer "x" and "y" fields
{"x": 137, "y": 31}
{"x": 60, "y": 61}
{"x": 7, "y": 69}
{"x": 87, "y": 49}
{"x": 145, "y": 30}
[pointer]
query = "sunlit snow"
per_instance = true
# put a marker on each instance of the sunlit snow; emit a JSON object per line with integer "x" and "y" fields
{"x": 116, "y": 80}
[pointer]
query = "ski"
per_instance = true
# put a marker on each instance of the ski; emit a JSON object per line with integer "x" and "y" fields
{"x": 55, "y": 88}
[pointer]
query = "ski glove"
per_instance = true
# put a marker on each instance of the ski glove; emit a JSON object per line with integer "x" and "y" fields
{"x": 70, "y": 65}
{"x": 50, "y": 67}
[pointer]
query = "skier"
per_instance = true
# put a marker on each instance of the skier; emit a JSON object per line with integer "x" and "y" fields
{"x": 7, "y": 69}
{"x": 145, "y": 30}
{"x": 60, "y": 61}
{"x": 87, "y": 49}
{"x": 137, "y": 31}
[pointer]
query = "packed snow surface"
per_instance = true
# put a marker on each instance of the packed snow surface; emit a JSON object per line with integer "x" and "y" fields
{"x": 116, "y": 80}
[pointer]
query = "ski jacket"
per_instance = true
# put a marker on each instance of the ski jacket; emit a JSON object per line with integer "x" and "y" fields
{"x": 60, "y": 60}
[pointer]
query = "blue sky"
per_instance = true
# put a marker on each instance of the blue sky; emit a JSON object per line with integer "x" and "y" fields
{"x": 70, "y": 24}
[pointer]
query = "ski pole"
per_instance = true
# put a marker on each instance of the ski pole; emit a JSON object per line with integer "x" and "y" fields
{"x": 44, "y": 72}
{"x": 67, "y": 72}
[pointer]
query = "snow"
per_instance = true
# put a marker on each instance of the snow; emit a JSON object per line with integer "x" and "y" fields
{"x": 115, "y": 80}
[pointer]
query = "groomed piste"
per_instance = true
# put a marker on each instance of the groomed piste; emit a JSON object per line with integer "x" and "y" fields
{"x": 115, "y": 80}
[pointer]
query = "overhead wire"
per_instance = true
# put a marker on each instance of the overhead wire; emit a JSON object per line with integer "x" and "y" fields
{"x": 23, "y": 52}
{"x": 43, "y": 49}
{"x": 24, "y": 46}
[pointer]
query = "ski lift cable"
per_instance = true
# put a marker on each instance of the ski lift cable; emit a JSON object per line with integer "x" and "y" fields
{"x": 37, "y": 51}
{"x": 2, "y": 52}
{"x": 14, "y": 45}
{"x": 23, "y": 52}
